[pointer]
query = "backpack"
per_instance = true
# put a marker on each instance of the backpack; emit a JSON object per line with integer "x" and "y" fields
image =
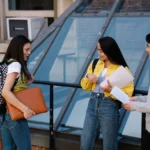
{"x": 94, "y": 64}
{"x": 3, "y": 74}
{"x": 93, "y": 67}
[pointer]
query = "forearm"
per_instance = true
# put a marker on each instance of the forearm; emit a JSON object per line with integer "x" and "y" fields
{"x": 140, "y": 106}
{"x": 142, "y": 98}
{"x": 10, "y": 98}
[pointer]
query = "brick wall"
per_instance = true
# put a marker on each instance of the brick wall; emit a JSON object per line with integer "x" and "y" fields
{"x": 128, "y": 6}
{"x": 136, "y": 6}
{"x": 102, "y": 4}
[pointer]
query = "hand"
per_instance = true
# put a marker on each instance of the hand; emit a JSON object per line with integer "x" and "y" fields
{"x": 133, "y": 98}
{"x": 31, "y": 80}
{"x": 107, "y": 87}
{"x": 92, "y": 78}
{"x": 28, "y": 113}
{"x": 127, "y": 106}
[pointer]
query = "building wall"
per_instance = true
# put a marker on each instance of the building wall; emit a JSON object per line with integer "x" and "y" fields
{"x": 136, "y": 5}
{"x": 104, "y": 4}
{"x": 60, "y": 7}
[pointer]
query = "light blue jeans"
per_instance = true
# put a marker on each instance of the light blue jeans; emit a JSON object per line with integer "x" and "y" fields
{"x": 15, "y": 134}
{"x": 102, "y": 113}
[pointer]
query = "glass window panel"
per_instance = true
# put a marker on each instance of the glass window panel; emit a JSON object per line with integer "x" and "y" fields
{"x": 30, "y": 4}
{"x": 123, "y": 30}
{"x": 35, "y": 55}
{"x": 96, "y": 6}
{"x": 144, "y": 80}
{"x": 135, "y": 6}
{"x": 76, "y": 110}
{"x": 133, "y": 120}
{"x": 65, "y": 58}
{"x": 130, "y": 34}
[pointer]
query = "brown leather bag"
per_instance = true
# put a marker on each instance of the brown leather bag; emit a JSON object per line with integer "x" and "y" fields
{"x": 32, "y": 98}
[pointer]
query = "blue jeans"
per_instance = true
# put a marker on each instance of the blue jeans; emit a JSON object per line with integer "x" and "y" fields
{"x": 102, "y": 113}
{"x": 15, "y": 133}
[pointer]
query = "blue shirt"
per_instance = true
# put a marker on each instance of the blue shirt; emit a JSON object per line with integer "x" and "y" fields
{"x": 101, "y": 78}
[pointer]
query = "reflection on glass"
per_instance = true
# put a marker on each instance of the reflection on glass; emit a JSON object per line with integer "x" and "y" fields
{"x": 30, "y": 4}
{"x": 130, "y": 34}
{"x": 133, "y": 125}
{"x": 144, "y": 80}
{"x": 65, "y": 58}
{"x": 95, "y": 6}
{"x": 76, "y": 111}
{"x": 67, "y": 55}
{"x": 135, "y": 6}
{"x": 34, "y": 57}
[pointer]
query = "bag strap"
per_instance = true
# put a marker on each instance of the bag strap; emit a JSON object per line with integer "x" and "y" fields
{"x": 94, "y": 64}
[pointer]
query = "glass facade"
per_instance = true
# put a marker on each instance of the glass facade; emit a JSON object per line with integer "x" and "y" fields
{"x": 130, "y": 34}
{"x": 66, "y": 57}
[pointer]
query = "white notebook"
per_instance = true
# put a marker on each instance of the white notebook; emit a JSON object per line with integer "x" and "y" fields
{"x": 120, "y": 78}
{"x": 120, "y": 95}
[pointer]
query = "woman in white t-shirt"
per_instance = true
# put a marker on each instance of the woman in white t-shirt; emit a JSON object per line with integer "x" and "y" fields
{"x": 16, "y": 133}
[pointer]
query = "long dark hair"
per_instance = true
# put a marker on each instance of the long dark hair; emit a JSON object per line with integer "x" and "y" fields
{"x": 112, "y": 51}
{"x": 15, "y": 51}
{"x": 148, "y": 38}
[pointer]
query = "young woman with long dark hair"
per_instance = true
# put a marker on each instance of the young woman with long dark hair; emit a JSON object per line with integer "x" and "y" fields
{"x": 15, "y": 133}
{"x": 103, "y": 109}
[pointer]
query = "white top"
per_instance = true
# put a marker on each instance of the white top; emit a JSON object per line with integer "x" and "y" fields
{"x": 14, "y": 67}
{"x": 101, "y": 78}
{"x": 104, "y": 72}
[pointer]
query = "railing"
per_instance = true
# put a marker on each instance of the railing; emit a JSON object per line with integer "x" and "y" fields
{"x": 52, "y": 84}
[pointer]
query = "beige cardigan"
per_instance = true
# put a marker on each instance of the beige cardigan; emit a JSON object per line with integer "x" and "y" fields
{"x": 142, "y": 105}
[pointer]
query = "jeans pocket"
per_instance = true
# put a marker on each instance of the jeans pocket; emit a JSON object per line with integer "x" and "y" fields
{"x": 8, "y": 122}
